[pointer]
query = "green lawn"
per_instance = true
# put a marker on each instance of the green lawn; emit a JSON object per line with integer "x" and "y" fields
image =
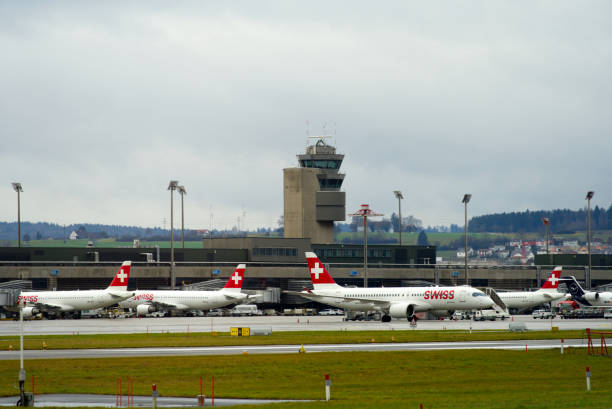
{"x": 278, "y": 338}
{"x": 437, "y": 379}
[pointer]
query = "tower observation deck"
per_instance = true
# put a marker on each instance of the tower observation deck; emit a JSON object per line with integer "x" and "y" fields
{"x": 312, "y": 196}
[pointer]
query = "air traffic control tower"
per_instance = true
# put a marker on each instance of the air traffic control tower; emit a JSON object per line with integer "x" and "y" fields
{"x": 313, "y": 200}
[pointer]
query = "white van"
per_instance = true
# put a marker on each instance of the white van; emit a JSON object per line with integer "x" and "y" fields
{"x": 245, "y": 309}
{"x": 490, "y": 315}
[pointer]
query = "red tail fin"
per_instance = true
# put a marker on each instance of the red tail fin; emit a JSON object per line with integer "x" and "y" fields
{"x": 318, "y": 272}
{"x": 553, "y": 280}
{"x": 237, "y": 277}
{"x": 121, "y": 278}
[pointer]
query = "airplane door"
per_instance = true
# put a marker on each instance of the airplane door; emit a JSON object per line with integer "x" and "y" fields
{"x": 462, "y": 292}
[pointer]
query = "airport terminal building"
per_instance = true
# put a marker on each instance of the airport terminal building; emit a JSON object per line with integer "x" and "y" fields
{"x": 313, "y": 201}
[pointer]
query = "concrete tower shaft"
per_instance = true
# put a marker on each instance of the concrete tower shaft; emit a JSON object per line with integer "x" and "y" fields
{"x": 313, "y": 200}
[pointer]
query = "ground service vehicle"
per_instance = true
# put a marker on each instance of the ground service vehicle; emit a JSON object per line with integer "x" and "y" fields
{"x": 245, "y": 309}
{"x": 543, "y": 314}
{"x": 490, "y": 315}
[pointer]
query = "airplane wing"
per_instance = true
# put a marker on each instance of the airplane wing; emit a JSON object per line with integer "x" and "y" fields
{"x": 47, "y": 307}
{"x": 348, "y": 301}
{"x": 234, "y": 297}
{"x": 167, "y": 306}
{"x": 121, "y": 294}
{"x": 553, "y": 296}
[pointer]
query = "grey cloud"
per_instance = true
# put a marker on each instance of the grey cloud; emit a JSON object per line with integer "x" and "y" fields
{"x": 109, "y": 101}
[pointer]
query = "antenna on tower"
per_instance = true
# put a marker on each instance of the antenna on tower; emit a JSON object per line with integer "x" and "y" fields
{"x": 335, "y": 134}
{"x": 307, "y": 131}
{"x": 211, "y": 219}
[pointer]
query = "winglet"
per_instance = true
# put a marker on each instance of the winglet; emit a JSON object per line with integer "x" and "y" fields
{"x": 120, "y": 281}
{"x": 234, "y": 283}
{"x": 553, "y": 280}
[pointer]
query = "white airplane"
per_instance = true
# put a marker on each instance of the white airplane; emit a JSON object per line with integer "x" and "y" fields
{"x": 590, "y": 298}
{"x": 53, "y": 303}
{"x": 148, "y": 301}
{"x": 525, "y": 299}
{"x": 393, "y": 302}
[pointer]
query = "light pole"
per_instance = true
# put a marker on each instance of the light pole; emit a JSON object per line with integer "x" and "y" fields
{"x": 18, "y": 188}
{"x": 182, "y": 191}
{"x": 172, "y": 187}
{"x": 22, "y": 372}
{"x": 466, "y": 200}
{"x": 399, "y": 196}
{"x": 546, "y": 222}
{"x": 364, "y": 212}
{"x": 588, "y": 198}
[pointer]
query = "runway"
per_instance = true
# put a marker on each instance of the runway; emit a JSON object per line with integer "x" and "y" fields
{"x": 275, "y": 323}
{"x": 287, "y": 349}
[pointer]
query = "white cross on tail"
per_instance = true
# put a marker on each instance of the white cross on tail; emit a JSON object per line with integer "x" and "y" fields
{"x": 236, "y": 277}
{"x": 121, "y": 275}
{"x": 316, "y": 270}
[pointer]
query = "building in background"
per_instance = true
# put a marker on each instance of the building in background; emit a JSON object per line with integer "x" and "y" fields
{"x": 312, "y": 197}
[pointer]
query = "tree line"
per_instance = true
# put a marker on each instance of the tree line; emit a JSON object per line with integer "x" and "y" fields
{"x": 562, "y": 221}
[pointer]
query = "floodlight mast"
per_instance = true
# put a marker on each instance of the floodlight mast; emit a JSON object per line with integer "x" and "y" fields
{"x": 465, "y": 201}
{"x": 182, "y": 191}
{"x": 588, "y": 198}
{"x": 399, "y": 196}
{"x": 172, "y": 187}
{"x": 546, "y": 222}
{"x": 18, "y": 188}
{"x": 364, "y": 212}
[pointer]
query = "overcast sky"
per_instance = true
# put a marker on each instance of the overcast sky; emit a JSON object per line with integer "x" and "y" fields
{"x": 103, "y": 103}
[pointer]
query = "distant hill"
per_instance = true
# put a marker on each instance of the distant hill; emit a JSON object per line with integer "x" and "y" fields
{"x": 561, "y": 221}
{"x": 41, "y": 230}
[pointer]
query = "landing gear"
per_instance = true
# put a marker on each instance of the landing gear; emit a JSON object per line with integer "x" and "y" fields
{"x": 386, "y": 318}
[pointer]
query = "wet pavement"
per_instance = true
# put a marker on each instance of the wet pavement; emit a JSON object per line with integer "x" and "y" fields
{"x": 110, "y": 401}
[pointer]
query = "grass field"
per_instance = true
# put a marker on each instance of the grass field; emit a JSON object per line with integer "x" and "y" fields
{"x": 437, "y": 379}
{"x": 278, "y": 338}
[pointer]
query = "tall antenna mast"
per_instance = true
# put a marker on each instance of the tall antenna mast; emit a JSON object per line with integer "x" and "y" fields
{"x": 211, "y": 219}
{"x": 307, "y": 131}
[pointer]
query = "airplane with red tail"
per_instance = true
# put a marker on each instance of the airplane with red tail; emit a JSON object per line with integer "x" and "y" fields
{"x": 526, "y": 299}
{"x": 149, "y": 301}
{"x": 58, "y": 303}
{"x": 393, "y": 302}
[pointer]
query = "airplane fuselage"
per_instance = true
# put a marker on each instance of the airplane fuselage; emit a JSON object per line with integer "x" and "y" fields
{"x": 423, "y": 298}
{"x": 73, "y": 300}
{"x": 526, "y": 299}
{"x": 182, "y": 300}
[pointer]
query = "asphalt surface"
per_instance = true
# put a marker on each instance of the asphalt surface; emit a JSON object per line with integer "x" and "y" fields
{"x": 287, "y": 349}
{"x": 275, "y": 323}
{"x": 85, "y": 400}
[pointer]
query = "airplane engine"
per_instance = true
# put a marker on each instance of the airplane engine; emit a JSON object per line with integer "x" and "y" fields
{"x": 29, "y": 312}
{"x": 442, "y": 313}
{"x": 144, "y": 309}
{"x": 591, "y": 296}
{"x": 401, "y": 310}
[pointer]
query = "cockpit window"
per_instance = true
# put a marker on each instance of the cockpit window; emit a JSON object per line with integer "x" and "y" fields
{"x": 478, "y": 294}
